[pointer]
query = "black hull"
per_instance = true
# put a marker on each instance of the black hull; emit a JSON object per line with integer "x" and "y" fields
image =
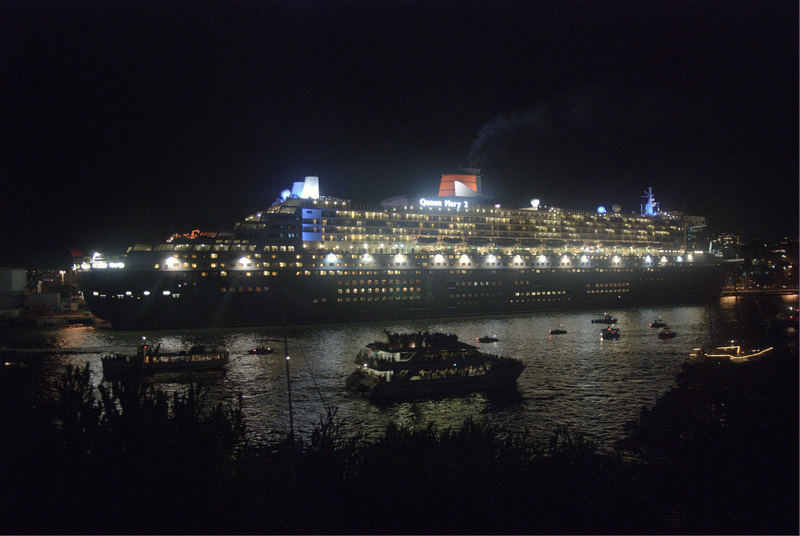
{"x": 505, "y": 377}
{"x": 139, "y": 299}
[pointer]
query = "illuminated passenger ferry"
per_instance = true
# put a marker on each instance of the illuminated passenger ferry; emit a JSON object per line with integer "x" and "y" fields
{"x": 311, "y": 258}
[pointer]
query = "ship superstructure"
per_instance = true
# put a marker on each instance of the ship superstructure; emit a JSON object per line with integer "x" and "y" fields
{"x": 312, "y": 258}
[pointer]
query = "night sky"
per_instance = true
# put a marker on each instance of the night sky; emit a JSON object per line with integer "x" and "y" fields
{"x": 129, "y": 121}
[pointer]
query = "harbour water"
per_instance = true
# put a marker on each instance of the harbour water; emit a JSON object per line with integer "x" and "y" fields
{"x": 575, "y": 379}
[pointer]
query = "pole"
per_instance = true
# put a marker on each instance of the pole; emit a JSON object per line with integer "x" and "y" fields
{"x": 288, "y": 378}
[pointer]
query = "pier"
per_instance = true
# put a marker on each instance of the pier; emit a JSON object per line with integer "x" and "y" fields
{"x": 86, "y": 350}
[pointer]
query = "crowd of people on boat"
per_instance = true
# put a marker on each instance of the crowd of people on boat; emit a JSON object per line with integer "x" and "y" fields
{"x": 433, "y": 374}
{"x": 420, "y": 339}
{"x": 148, "y": 354}
{"x": 376, "y": 359}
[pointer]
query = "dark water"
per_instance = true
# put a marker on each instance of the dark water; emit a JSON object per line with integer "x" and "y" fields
{"x": 576, "y": 379}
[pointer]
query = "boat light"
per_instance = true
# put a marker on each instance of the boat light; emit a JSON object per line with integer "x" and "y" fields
{"x": 399, "y": 258}
{"x": 146, "y": 292}
{"x": 565, "y": 259}
{"x": 491, "y": 258}
{"x": 679, "y": 259}
{"x": 663, "y": 259}
{"x": 172, "y": 262}
{"x": 165, "y": 292}
{"x": 542, "y": 258}
{"x": 245, "y": 262}
{"x": 331, "y": 257}
{"x": 438, "y": 258}
{"x": 584, "y": 259}
{"x": 464, "y": 259}
{"x": 648, "y": 259}
{"x": 616, "y": 259}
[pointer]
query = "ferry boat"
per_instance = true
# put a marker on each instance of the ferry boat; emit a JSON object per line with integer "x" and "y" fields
{"x": 425, "y": 364}
{"x": 148, "y": 360}
{"x": 311, "y": 258}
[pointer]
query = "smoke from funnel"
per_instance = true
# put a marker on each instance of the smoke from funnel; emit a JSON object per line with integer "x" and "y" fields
{"x": 502, "y": 127}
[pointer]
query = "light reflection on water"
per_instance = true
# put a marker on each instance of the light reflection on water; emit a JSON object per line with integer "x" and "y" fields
{"x": 575, "y": 379}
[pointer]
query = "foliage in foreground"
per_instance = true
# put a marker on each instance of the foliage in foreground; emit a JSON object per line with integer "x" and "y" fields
{"x": 716, "y": 454}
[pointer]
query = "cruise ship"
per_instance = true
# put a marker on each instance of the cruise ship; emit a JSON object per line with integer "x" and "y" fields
{"x": 311, "y": 258}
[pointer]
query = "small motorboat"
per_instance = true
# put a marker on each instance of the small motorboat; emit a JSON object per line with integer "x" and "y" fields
{"x": 609, "y": 334}
{"x": 607, "y": 319}
{"x": 666, "y": 333}
{"x": 261, "y": 350}
{"x": 487, "y": 339}
{"x": 733, "y": 353}
{"x": 787, "y": 319}
{"x": 558, "y": 331}
{"x": 658, "y": 323}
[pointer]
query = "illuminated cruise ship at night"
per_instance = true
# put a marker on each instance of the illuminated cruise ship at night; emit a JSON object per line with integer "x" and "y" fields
{"x": 312, "y": 258}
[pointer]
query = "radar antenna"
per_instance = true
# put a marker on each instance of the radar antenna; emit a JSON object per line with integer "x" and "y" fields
{"x": 650, "y": 207}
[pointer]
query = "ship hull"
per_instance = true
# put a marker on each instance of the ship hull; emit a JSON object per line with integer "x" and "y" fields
{"x": 496, "y": 379}
{"x": 147, "y": 299}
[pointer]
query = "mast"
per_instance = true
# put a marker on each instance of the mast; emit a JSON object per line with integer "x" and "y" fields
{"x": 288, "y": 377}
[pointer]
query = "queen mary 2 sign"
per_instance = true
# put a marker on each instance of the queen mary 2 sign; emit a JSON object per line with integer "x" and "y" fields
{"x": 457, "y": 191}
{"x": 443, "y": 203}
{"x": 457, "y": 186}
